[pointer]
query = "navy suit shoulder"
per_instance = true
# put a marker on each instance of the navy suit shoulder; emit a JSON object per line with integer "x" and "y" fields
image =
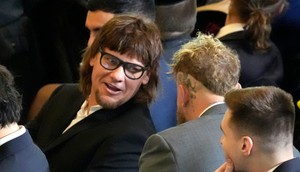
{"x": 292, "y": 165}
{"x": 107, "y": 139}
{"x": 257, "y": 68}
{"x": 22, "y": 155}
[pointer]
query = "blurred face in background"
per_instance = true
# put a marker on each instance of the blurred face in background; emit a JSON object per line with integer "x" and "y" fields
{"x": 94, "y": 22}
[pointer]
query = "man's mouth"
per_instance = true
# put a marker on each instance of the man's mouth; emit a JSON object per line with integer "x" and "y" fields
{"x": 112, "y": 88}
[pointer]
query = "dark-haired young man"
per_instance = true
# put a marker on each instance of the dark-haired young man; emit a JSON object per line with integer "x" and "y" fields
{"x": 258, "y": 129}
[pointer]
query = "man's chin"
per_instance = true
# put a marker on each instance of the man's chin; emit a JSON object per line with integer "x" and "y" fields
{"x": 108, "y": 103}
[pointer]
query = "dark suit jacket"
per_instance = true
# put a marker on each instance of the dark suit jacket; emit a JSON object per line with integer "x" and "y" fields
{"x": 192, "y": 146}
{"x": 292, "y": 165}
{"x": 22, "y": 155}
{"x": 256, "y": 68}
{"x": 107, "y": 140}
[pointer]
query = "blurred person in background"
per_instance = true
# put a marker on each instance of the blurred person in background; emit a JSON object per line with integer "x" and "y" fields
{"x": 247, "y": 30}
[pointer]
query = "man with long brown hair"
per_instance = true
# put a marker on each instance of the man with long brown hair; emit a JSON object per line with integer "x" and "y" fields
{"x": 103, "y": 126}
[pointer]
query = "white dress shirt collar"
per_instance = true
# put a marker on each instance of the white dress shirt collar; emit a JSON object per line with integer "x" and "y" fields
{"x": 272, "y": 169}
{"x": 13, "y": 135}
{"x": 83, "y": 113}
{"x": 210, "y": 106}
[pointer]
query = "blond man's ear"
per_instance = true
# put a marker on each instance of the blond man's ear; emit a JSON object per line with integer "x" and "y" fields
{"x": 182, "y": 91}
{"x": 183, "y": 95}
{"x": 238, "y": 86}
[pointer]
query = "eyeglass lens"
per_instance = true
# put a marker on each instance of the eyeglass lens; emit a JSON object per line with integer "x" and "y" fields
{"x": 110, "y": 62}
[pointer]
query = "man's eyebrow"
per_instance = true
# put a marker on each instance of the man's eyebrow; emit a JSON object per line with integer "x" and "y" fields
{"x": 96, "y": 29}
{"x": 93, "y": 28}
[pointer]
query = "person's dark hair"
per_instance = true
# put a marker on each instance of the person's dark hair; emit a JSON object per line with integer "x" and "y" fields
{"x": 132, "y": 35}
{"x": 142, "y": 7}
{"x": 176, "y": 19}
{"x": 257, "y": 15}
{"x": 265, "y": 112}
{"x": 10, "y": 99}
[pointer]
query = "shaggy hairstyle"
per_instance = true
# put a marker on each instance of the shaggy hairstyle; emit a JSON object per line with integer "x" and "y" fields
{"x": 210, "y": 62}
{"x": 265, "y": 112}
{"x": 257, "y": 15}
{"x": 132, "y": 35}
{"x": 10, "y": 99}
{"x": 177, "y": 19}
{"x": 141, "y": 7}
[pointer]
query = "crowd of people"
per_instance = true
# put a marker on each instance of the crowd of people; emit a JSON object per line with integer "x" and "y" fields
{"x": 145, "y": 88}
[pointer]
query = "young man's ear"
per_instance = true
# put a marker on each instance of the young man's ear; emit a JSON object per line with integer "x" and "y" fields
{"x": 247, "y": 145}
{"x": 238, "y": 86}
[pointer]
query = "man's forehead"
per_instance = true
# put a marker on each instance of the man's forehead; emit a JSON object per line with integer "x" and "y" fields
{"x": 98, "y": 18}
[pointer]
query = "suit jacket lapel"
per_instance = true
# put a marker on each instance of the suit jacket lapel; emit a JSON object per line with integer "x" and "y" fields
{"x": 66, "y": 113}
{"x": 93, "y": 120}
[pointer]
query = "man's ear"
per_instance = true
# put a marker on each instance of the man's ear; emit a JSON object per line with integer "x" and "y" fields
{"x": 247, "y": 145}
{"x": 145, "y": 79}
{"x": 93, "y": 60}
{"x": 238, "y": 86}
{"x": 183, "y": 95}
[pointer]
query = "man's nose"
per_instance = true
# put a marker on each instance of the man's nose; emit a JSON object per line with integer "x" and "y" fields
{"x": 118, "y": 74}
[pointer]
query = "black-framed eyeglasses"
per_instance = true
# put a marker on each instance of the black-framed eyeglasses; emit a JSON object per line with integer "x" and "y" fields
{"x": 131, "y": 70}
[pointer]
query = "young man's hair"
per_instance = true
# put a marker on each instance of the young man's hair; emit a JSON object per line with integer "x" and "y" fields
{"x": 210, "y": 62}
{"x": 10, "y": 99}
{"x": 175, "y": 19}
{"x": 140, "y": 7}
{"x": 265, "y": 112}
{"x": 131, "y": 35}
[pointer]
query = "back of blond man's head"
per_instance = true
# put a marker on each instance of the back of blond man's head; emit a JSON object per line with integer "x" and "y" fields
{"x": 210, "y": 62}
